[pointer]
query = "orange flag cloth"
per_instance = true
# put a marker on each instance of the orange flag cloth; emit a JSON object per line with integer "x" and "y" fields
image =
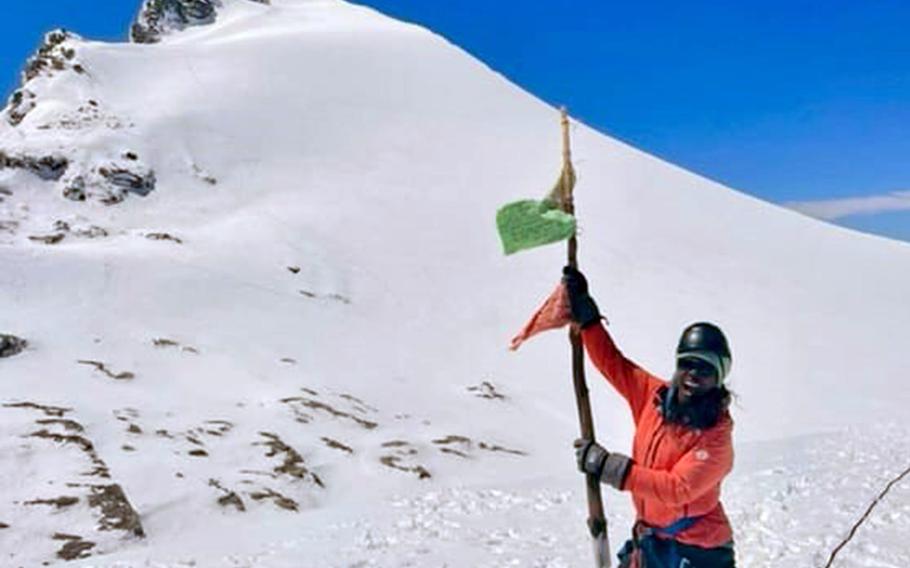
{"x": 553, "y": 314}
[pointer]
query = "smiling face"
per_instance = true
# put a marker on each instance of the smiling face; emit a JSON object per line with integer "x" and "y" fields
{"x": 693, "y": 378}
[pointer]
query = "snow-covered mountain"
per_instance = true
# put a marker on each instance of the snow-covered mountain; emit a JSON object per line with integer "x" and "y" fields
{"x": 267, "y": 312}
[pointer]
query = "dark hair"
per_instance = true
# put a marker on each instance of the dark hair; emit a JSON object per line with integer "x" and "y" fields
{"x": 702, "y": 412}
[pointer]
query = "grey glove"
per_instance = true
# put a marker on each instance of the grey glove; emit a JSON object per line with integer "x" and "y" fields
{"x": 610, "y": 467}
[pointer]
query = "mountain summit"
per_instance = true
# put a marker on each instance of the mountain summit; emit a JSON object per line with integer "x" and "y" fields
{"x": 158, "y": 17}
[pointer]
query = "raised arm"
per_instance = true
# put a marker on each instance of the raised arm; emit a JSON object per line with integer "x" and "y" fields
{"x": 630, "y": 380}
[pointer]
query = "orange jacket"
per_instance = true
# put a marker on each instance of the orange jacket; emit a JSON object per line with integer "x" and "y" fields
{"x": 676, "y": 471}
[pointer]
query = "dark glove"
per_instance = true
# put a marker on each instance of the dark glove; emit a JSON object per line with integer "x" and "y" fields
{"x": 584, "y": 310}
{"x": 609, "y": 467}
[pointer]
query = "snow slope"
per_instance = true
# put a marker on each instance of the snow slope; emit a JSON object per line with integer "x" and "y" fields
{"x": 313, "y": 312}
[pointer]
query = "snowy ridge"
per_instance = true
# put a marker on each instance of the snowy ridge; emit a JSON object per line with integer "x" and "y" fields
{"x": 267, "y": 288}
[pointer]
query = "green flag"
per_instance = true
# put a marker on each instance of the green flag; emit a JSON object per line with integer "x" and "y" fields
{"x": 531, "y": 223}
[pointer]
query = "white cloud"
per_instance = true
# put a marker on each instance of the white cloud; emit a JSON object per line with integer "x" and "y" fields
{"x": 831, "y": 209}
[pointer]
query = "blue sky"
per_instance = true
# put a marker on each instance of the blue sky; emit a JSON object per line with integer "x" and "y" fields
{"x": 791, "y": 101}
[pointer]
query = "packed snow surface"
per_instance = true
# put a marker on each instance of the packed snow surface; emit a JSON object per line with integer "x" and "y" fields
{"x": 267, "y": 322}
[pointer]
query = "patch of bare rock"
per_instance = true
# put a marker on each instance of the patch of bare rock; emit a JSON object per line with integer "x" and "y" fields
{"x": 63, "y": 229}
{"x": 160, "y": 17}
{"x": 164, "y": 342}
{"x": 90, "y": 501}
{"x": 103, "y": 368}
{"x": 398, "y": 453}
{"x": 57, "y": 53}
{"x": 158, "y": 236}
{"x": 11, "y": 345}
{"x": 486, "y": 390}
{"x": 301, "y": 406}
{"x": 292, "y": 463}
{"x": 74, "y": 546}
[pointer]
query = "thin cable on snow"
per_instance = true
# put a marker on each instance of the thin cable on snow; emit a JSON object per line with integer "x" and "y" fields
{"x": 865, "y": 516}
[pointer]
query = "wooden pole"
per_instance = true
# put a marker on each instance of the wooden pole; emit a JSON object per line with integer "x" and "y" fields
{"x": 597, "y": 523}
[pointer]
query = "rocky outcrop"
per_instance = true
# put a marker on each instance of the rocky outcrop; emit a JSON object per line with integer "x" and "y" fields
{"x": 57, "y": 53}
{"x": 112, "y": 183}
{"x": 140, "y": 182}
{"x": 158, "y": 17}
{"x": 117, "y": 514}
{"x": 50, "y": 168}
{"x": 82, "y": 509}
{"x": 53, "y": 55}
{"x": 11, "y": 345}
{"x": 74, "y": 189}
{"x": 21, "y": 102}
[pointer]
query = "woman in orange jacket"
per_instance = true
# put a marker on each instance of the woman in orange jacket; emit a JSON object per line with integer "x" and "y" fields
{"x": 683, "y": 444}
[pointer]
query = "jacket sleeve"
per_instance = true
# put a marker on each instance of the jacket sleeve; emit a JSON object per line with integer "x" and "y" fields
{"x": 697, "y": 472}
{"x": 630, "y": 380}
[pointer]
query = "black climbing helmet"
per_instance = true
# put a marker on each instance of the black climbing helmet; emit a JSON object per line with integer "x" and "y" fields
{"x": 706, "y": 341}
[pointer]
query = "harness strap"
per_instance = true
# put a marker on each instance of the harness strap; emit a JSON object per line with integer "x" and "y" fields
{"x": 669, "y": 532}
{"x": 674, "y": 528}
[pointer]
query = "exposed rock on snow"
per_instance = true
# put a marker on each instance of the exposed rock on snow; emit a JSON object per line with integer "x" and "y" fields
{"x": 21, "y": 102}
{"x": 337, "y": 445}
{"x": 99, "y": 468}
{"x": 59, "y": 502}
{"x": 164, "y": 342}
{"x": 487, "y": 390}
{"x": 55, "y": 54}
{"x": 53, "y": 147}
{"x": 158, "y": 17}
{"x": 462, "y": 445}
{"x": 47, "y": 239}
{"x": 228, "y": 497}
{"x": 74, "y": 546}
{"x": 48, "y": 410}
{"x": 11, "y": 345}
{"x": 74, "y": 189}
{"x": 63, "y": 229}
{"x": 204, "y": 175}
{"x": 298, "y": 403}
{"x": 140, "y": 183}
{"x": 71, "y": 487}
{"x": 335, "y": 297}
{"x": 156, "y": 236}
{"x": 401, "y": 452}
{"x": 84, "y": 117}
{"x": 110, "y": 184}
{"x": 80, "y": 230}
{"x": 98, "y": 365}
{"x": 48, "y": 167}
{"x": 116, "y": 512}
{"x": 292, "y": 462}
{"x": 280, "y": 500}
